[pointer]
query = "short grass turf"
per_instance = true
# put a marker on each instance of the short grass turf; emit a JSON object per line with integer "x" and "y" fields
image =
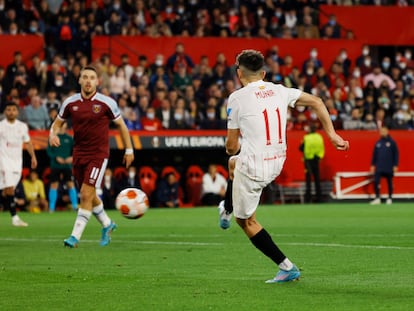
{"x": 352, "y": 257}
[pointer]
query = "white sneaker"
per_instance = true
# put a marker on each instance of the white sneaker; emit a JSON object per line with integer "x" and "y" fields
{"x": 224, "y": 216}
{"x": 17, "y": 222}
{"x": 376, "y": 201}
{"x": 389, "y": 201}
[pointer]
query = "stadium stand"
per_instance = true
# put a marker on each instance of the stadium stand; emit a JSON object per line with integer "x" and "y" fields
{"x": 67, "y": 36}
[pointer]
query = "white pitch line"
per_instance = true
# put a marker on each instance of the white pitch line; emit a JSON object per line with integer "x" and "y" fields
{"x": 352, "y": 246}
{"x": 115, "y": 242}
{"x": 332, "y": 245}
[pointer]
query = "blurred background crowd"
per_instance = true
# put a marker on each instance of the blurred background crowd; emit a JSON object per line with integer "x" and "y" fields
{"x": 176, "y": 91}
{"x": 179, "y": 92}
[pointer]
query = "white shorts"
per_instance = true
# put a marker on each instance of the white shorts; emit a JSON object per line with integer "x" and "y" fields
{"x": 9, "y": 178}
{"x": 247, "y": 192}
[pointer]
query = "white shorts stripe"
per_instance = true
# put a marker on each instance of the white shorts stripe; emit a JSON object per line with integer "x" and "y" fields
{"x": 101, "y": 172}
{"x": 94, "y": 173}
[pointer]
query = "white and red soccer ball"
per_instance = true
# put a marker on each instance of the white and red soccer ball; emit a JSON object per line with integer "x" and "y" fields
{"x": 132, "y": 203}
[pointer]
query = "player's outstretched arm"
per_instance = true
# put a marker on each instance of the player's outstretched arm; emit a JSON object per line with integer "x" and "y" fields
{"x": 320, "y": 109}
{"x": 126, "y": 138}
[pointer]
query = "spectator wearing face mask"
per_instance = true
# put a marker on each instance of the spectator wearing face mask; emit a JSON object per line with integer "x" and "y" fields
{"x": 334, "y": 26}
{"x": 386, "y": 65}
{"x": 180, "y": 119}
{"x": 150, "y": 122}
{"x": 136, "y": 76}
{"x": 211, "y": 120}
{"x": 400, "y": 120}
{"x": 313, "y": 58}
{"x": 359, "y": 61}
{"x": 408, "y": 58}
{"x": 130, "y": 180}
{"x": 367, "y": 65}
{"x": 408, "y": 78}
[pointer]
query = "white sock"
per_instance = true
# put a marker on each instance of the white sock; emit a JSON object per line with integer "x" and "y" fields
{"x": 286, "y": 264}
{"x": 15, "y": 217}
{"x": 101, "y": 215}
{"x": 81, "y": 222}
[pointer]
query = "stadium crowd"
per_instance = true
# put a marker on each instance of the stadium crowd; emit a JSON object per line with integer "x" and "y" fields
{"x": 176, "y": 92}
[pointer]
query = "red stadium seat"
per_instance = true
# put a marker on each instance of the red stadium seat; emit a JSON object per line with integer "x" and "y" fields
{"x": 46, "y": 175}
{"x": 193, "y": 184}
{"x": 147, "y": 179}
{"x": 222, "y": 171}
{"x": 170, "y": 169}
{"x": 120, "y": 173}
{"x": 25, "y": 172}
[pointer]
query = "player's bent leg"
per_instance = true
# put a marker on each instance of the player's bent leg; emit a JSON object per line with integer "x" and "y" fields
{"x": 108, "y": 226}
{"x": 261, "y": 239}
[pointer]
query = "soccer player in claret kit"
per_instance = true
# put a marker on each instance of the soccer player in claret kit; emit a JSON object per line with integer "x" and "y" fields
{"x": 258, "y": 113}
{"x": 91, "y": 113}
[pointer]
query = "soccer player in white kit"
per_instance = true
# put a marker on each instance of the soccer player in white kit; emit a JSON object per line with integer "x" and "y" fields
{"x": 257, "y": 113}
{"x": 13, "y": 134}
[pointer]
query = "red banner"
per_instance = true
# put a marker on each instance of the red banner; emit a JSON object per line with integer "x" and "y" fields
{"x": 197, "y": 47}
{"x": 375, "y": 25}
{"x": 28, "y": 45}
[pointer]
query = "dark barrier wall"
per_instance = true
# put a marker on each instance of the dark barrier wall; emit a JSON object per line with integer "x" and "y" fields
{"x": 200, "y": 147}
{"x": 376, "y": 25}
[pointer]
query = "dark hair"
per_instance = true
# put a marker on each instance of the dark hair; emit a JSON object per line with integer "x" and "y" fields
{"x": 11, "y": 103}
{"x": 250, "y": 59}
{"x": 89, "y": 68}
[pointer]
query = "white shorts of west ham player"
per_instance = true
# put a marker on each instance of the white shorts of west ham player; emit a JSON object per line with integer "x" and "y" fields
{"x": 247, "y": 192}
{"x": 9, "y": 178}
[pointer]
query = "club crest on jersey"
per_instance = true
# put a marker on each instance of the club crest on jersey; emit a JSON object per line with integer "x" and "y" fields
{"x": 96, "y": 108}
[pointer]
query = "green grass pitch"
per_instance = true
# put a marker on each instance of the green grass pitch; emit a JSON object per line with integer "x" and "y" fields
{"x": 352, "y": 257}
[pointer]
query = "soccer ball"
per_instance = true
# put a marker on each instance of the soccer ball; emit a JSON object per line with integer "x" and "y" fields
{"x": 132, "y": 203}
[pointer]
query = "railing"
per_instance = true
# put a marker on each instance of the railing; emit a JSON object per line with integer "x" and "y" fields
{"x": 359, "y": 185}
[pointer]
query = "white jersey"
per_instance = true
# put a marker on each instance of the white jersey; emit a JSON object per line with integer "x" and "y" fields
{"x": 12, "y": 137}
{"x": 213, "y": 186}
{"x": 259, "y": 110}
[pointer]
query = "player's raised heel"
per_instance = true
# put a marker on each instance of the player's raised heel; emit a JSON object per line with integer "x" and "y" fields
{"x": 224, "y": 217}
{"x": 106, "y": 234}
{"x": 286, "y": 276}
{"x": 71, "y": 242}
